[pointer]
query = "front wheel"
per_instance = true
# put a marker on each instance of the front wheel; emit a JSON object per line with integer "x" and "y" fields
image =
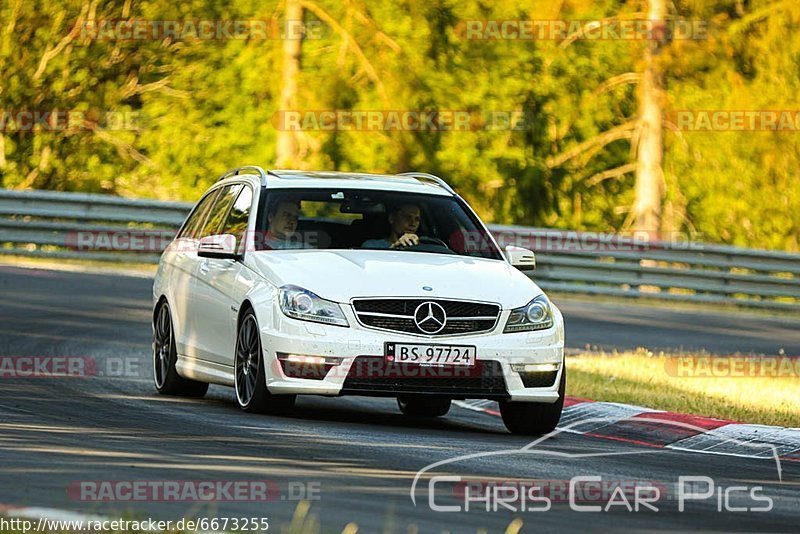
{"x": 532, "y": 418}
{"x": 250, "y": 373}
{"x": 422, "y": 407}
{"x": 165, "y": 355}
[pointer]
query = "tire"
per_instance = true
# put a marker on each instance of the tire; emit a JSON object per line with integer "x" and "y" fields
{"x": 534, "y": 418}
{"x": 250, "y": 380}
{"x": 422, "y": 407}
{"x": 165, "y": 355}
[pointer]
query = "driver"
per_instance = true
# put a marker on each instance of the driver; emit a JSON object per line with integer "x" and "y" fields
{"x": 282, "y": 218}
{"x": 403, "y": 225}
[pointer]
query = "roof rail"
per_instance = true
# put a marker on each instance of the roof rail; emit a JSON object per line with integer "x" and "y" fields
{"x": 247, "y": 169}
{"x": 430, "y": 178}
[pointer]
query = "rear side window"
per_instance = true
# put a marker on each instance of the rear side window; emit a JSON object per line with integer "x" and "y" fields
{"x": 216, "y": 218}
{"x": 237, "y": 217}
{"x": 198, "y": 216}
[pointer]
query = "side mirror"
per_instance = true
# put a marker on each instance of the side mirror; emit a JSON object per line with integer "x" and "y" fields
{"x": 221, "y": 246}
{"x": 521, "y": 258}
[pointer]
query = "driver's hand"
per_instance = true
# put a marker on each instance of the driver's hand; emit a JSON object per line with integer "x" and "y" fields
{"x": 406, "y": 240}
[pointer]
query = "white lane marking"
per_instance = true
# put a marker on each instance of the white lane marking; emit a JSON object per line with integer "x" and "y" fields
{"x": 743, "y": 440}
{"x": 53, "y": 514}
{"x": 470, "y": 406}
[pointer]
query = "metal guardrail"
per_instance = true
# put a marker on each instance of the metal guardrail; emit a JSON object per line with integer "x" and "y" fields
{"x": 46, "y": 223}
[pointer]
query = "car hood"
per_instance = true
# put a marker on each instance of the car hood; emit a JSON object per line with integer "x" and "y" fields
{"x": 341, "y": 275}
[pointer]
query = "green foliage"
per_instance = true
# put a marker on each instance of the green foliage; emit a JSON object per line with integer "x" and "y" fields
{"x": 200, "y": 107}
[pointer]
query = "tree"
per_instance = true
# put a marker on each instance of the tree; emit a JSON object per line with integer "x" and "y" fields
{"x": 286, "y": 146}
{"x": 650, "y": 149}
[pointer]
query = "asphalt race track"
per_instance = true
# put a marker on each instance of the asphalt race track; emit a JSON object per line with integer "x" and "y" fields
{"x": 352, "y": 459}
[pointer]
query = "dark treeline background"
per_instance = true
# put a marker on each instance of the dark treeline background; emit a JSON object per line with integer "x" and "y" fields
{"x": 592, "y": 156}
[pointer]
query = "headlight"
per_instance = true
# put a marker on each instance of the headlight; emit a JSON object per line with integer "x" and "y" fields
{"x": 536, "y": 315}
{"x": 302, "y": 304}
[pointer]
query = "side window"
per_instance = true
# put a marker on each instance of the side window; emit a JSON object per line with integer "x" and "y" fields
{"x": 237, "y": 218}
{"x": 216, "y": 216}
{"x": 198, "y": 216}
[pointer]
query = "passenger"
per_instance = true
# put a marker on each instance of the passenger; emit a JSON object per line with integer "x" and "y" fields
{"x": 282, "y": 220}
{"x": 403, "y": 225}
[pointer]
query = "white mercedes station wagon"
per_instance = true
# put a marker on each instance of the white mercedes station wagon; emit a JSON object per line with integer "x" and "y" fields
{"x": 281, "y": 283}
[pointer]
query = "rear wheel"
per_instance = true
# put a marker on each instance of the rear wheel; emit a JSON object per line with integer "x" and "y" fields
{"x": 250, "y": 373}
{"x": 532, "y": 418}
{"x": 422, "y": 407}
{"x": 165, "y": 355}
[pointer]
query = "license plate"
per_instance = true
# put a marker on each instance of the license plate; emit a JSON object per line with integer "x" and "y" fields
{"x": 425, "y": 354}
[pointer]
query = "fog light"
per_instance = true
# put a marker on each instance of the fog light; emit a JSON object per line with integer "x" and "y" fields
{"x": 534, "y": 367}
{"x": 309, "y": 367}
{"x": 309, "y": 360}
{"x": 297, "y": 358}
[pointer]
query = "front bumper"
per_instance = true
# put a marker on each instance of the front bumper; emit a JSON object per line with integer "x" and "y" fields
{"x": 355, "y": 363}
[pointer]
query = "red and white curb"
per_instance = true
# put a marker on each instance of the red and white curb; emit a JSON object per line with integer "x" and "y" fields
{"x": 643, "y": 426}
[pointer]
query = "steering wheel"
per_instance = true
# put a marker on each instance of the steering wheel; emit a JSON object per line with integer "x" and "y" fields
{"x": 430, "y": 244}
{"x": 425, "y": 240}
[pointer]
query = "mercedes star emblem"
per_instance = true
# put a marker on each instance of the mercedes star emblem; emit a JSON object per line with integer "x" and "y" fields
{"x": 430, "y": 317}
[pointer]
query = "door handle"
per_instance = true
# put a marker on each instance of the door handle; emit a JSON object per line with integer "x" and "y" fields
{"x": 204, "y": 267}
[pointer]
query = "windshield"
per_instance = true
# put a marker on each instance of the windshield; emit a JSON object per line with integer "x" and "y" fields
{"x": 369, "y": 219}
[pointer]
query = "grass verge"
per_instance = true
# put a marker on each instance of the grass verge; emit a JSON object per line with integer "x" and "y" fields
{"x": 737, "y": 388}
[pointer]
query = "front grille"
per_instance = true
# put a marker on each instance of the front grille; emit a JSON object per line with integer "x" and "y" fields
{"x": 373, "y": 375}
{"x": 397, "y": 315}
{"x": 539, "y": 379}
